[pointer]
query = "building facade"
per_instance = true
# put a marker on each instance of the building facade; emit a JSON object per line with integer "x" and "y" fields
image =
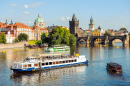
{"x": 13, "y": 30}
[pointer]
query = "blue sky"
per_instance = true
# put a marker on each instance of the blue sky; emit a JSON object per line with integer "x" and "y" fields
{"x": 109, "y": 14}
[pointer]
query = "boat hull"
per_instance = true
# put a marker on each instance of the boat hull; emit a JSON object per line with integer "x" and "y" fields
{"x": 49, "y": 67}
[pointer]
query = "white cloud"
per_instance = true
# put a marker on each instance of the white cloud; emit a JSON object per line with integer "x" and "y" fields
{"x": 68, "y": 18}
{"x": 63, "y": 18}
{"x": 122, "y": 25}
{"x": 12, "y": 4}
{"x": 11, "y": 11}
{"x": 26, "y": 12}
{"x": 32, "y": 5}
{"x": 37, "y": 4}
{"x": 30, "y": 22}
{"x": 25, "y": 6}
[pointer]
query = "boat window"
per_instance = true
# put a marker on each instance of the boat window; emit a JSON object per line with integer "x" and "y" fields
{"x": 75, "y": 60}
{"x": 57, "y": 62}
{"x": 29, "y": 65}
{"x": 67, "y": 61}
{"x": 63, "y": 61}
{"x": 50, "y": 63}
{"x": 24, "y": 65}
{"x": 35, "y": 65}
{"x": 60, "y": 62}
{"x": 46, "y": 63}
{"x": 71, "y": 60}
{"x": 53, "y": 62}
{"x": 43, "y": 64}
{"x": 14, "y": 65}
{"x": 19, "y": 66}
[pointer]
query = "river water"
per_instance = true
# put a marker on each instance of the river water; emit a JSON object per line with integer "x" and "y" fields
{"x": 93, "y": 74}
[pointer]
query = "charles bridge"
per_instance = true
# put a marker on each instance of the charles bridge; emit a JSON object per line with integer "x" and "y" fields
{"x": 104, "y": 39}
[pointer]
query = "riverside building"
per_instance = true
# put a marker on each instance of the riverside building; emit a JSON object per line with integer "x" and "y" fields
{"x": 13, "y": 30}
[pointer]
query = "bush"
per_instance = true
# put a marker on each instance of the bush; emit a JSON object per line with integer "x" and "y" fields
{"x": 2, "y": 38}
{"x": 15, "y": 40}
{"x": 22, "y": 37}
{"x": 39, "y": 42}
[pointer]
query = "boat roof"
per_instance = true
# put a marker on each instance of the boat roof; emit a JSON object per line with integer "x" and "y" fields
{"x": 113, "y": 64}
{"x": 30, "y": 57}
{"x": 48, "y": 54}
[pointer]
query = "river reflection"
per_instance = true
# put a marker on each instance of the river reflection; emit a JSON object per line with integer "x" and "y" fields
{"x": 47, "y": 76}
{"x": 93, "y": 74}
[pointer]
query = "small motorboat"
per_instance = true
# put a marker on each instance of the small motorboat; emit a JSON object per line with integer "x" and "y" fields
{"x": 114, "y": 67}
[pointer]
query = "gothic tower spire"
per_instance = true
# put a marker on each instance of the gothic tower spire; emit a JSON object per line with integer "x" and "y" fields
{"x": 74, "y": 18}
{"x": 91, "y": 20}
{"x": 91, "y": 25}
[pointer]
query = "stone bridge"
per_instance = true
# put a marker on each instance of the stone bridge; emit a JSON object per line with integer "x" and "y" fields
{"x": 104, "y": 39}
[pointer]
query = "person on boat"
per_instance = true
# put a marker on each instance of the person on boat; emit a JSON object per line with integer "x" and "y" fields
{"x": 68, "y": 55}
{"x": 52, "y": 57}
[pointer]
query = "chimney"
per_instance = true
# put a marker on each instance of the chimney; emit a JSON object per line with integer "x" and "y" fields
{"x": 53, "y": 24}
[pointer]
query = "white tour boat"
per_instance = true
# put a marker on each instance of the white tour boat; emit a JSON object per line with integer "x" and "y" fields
{"x": 57, "y": 48}
{"x": 47, "y": 61}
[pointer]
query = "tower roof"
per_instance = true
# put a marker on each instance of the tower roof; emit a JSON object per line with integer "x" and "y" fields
{"x": 99, "y": 28}
{"x": 6, "y": 22}
{"x": 74, "y": 18}
{"x": 39, "y": 19}
{"x": 91, "y": 20}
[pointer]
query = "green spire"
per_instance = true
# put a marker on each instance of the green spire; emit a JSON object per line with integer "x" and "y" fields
{"x": 6, "y": 22}
{"x": 11, "y": 21}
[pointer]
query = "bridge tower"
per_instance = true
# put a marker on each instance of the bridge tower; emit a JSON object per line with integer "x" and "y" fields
{"x": 74, "y": 25}
{"x": 91, "y": 25}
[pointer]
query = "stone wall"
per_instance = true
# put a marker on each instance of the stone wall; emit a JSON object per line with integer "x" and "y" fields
{"x": 14, "y": 45}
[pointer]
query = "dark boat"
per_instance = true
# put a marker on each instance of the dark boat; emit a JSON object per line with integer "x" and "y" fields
{"x": 114, "y": 67}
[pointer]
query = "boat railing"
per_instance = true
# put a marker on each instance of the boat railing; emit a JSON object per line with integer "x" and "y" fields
{"x": 62, "y": 57}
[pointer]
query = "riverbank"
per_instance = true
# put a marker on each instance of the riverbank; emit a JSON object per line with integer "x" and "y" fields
{"x": 15, "y": 45}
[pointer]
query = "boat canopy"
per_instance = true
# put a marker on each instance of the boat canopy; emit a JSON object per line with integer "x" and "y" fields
{"x": 48, "y": 54}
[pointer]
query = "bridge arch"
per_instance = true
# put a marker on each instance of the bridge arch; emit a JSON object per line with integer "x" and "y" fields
{"x": 81, "y": 40}
{"x": 112, "y": 38}
{"x": 112, "y": 41}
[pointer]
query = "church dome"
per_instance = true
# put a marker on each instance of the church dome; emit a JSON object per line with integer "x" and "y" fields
{"x": 39, "y": 19}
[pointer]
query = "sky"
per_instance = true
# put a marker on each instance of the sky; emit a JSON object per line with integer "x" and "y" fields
{"x": 108, "y": 14}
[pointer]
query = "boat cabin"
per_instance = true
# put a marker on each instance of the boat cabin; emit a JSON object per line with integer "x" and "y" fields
{"x": 31, "y": 59}
{"x": 114, "y": 67}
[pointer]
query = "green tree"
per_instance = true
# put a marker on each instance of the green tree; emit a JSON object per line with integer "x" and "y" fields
{"x": 44, "y": 38}
{"x": 3, "y": 38}
{"x": 66, "y": 36}
{"x": 72, "y": 39}
{"x": 16, "y": 40}
{"x": 22, "y": 37}
{"x": 54, "y": 37}
{"x": 0, "y": 39}
{"x": 106, "y": 34}
{"x": 60, "y": 35}
{"x": 39, "y": 42}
